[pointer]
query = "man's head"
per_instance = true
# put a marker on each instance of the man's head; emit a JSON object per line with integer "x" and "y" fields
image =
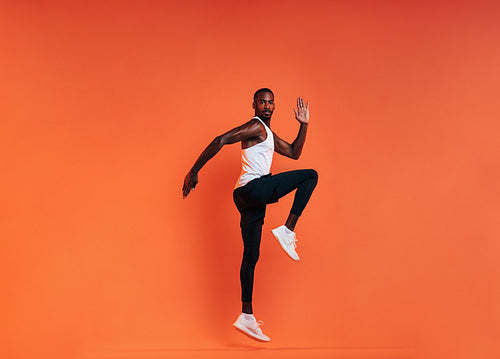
{"x": 263, "y": 103}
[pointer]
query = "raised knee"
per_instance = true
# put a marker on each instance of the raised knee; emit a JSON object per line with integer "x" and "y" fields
{"x": 313, "y": 175}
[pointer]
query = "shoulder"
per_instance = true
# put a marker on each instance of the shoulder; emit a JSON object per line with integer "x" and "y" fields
{"x": 255, "y": 124}
{"x": 255, "y": 120}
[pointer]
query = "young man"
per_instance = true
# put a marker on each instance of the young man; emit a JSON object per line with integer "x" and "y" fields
{"x": 256, "y": 188}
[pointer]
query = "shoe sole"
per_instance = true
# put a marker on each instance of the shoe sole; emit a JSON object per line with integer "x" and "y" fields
{"x": 243, "y": 331}
{"x": 283, "y": 247}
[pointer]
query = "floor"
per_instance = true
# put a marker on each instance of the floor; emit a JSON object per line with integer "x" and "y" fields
{"x": 259, "y": 352}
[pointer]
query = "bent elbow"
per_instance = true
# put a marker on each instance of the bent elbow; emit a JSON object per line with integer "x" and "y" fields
{"x": 295, "y": 156}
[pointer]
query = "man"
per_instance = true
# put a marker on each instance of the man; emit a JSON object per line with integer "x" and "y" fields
{"x": 256, "y": 188}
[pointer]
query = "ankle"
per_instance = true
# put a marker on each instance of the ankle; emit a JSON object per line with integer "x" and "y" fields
{"x": 248, "y": 316}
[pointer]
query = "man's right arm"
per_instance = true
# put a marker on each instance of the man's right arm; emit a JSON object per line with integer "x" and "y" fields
{"x": 246, "y": 131}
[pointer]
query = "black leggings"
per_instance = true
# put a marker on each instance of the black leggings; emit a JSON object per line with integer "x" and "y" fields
{"x": 251, "y": 201}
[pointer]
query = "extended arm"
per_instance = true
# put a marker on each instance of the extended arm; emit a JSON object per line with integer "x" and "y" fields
{"x": 248, "y": 130}
{"x": 295, "y": 149}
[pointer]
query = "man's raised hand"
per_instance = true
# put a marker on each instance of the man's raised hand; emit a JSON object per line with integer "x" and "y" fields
{"x": 302, "y": 111}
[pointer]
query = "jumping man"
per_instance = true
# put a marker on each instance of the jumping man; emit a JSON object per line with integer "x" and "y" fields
{"x": 256, "y": 187}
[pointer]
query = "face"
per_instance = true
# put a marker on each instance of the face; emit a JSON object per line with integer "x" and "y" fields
{"x": 264, "y": 105}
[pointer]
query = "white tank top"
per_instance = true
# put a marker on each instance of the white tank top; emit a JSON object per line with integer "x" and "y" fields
{"x": 256, "y": 160}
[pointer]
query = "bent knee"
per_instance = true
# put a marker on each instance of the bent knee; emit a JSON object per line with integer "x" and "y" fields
{"x": 313, "y": 175}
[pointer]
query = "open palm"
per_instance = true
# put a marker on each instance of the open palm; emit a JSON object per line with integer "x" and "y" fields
{"x": 302, "y": 111}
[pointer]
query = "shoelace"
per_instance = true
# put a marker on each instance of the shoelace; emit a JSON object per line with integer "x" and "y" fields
{"x": 258, "y": 324}
{"x": 293, "y": 241}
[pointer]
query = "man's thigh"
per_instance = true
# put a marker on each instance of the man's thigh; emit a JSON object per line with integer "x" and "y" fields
{"x": 270, "y": 189}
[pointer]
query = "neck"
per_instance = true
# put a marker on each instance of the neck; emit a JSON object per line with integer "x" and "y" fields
{"x": 267, "y": 121}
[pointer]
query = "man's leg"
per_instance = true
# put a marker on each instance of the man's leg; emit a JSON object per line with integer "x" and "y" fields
{"x": 251, "y": 234}
{"x": 274, "y": 187}
{"x": 269, "y": 189}
{"x": 246, "y": 322}
{"x": 305, "y": 182}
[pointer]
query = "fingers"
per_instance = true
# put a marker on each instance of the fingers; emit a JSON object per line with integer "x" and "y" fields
{"x": 301, "y": 105}
{"x": 190, "y": 183}
{"x": 186, "y": 188}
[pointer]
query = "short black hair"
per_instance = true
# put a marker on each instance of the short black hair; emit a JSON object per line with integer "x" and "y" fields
{"x": 264, "y": 89}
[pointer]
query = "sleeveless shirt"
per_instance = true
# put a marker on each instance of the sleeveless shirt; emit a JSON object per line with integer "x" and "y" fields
{"x": 256, "y": 160}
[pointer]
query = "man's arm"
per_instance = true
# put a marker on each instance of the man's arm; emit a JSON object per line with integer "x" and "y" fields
{"x": 248, "y": 130}
{"x": 295, "y": 149}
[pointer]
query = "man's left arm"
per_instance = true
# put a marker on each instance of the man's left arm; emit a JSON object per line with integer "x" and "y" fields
{"x": 294, "y": 149}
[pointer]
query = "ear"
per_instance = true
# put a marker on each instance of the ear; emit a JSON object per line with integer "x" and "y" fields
{"x": 253, "y": 104}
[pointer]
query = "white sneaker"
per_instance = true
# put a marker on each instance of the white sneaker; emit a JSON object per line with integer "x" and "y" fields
{"x": 250, "y": 328}
{"x": 287, "y": 241}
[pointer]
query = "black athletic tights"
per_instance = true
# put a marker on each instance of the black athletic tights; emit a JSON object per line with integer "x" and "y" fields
{"x": 254, "y": 196}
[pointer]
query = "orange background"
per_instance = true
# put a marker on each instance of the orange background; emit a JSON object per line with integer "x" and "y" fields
{"x": 105, "y": 105}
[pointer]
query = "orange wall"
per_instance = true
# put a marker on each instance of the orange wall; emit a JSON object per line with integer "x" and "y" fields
{"x": 105, "y": 105}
